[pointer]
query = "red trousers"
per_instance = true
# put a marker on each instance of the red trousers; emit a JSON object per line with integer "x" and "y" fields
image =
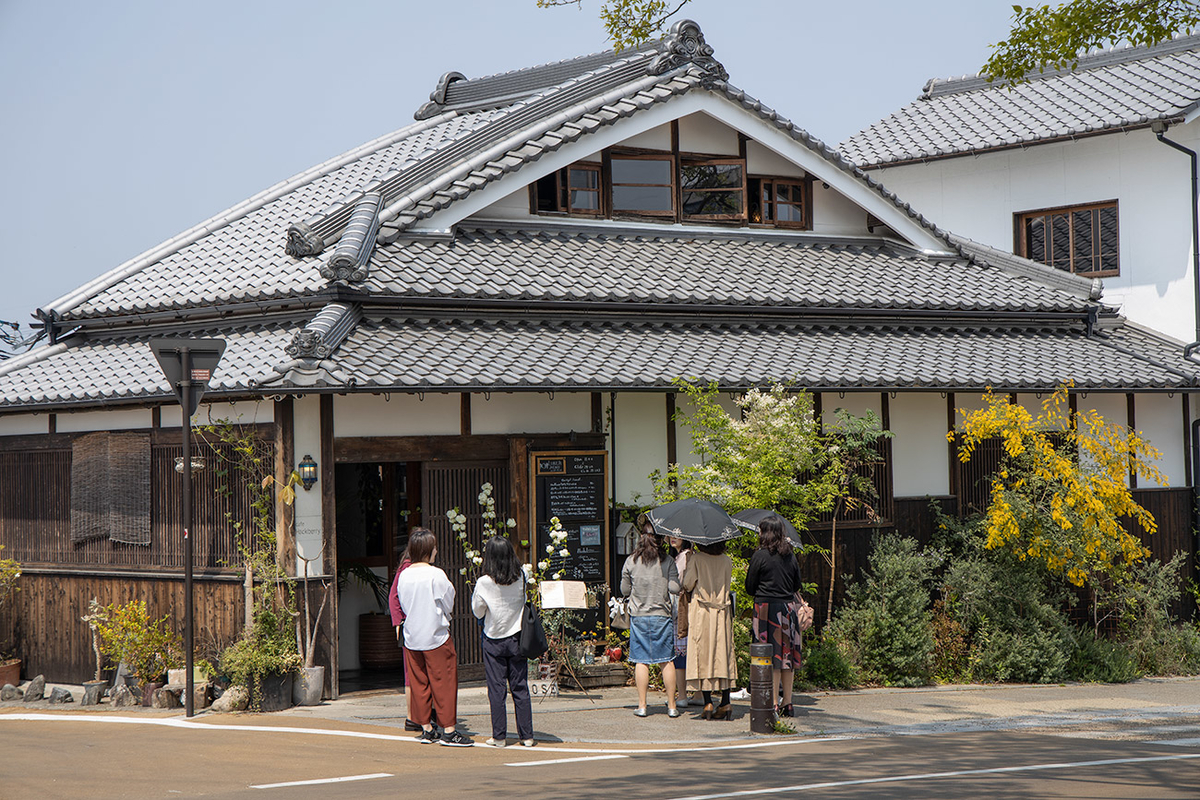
{"x": 432, "y": 683}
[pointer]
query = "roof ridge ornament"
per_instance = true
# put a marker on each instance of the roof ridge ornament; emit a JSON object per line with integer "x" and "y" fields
{"x": 350, "y": 257}
{"x": 324, "y": 332}
{"x": 683, "y": 45}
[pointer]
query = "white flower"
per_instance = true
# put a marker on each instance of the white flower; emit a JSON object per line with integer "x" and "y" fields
{"x": 452, "y": 513}
{"x": 512, "y": 523}
{"x": 542, "y": 565}
{"x": 462, "y": 571}
{"x": 462, "y": 520}
{"x": 487, "y": 487}
{"x": 462, "y": 534}
{"x": 477, "y": 560}
{"x": 564, "y": 552}
{"x": 528, "y": 570}
{"x": 556, "y": 575}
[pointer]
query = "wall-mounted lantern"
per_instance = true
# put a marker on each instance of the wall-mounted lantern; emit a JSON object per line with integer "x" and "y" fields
{"x": 308, "y": 472}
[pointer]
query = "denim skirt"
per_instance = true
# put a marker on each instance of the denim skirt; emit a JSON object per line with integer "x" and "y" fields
{"x": 651, "y": 640}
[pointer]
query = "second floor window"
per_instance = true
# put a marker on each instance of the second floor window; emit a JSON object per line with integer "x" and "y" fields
{"x": 1079, "y": 239}
{"x": 643, "y": 185}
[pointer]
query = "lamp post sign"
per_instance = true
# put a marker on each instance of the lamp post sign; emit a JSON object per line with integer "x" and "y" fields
{"x": 188, "y": 365}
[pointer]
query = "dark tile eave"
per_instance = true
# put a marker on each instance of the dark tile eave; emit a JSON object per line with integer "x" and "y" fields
{"x": 1021, "y": 145}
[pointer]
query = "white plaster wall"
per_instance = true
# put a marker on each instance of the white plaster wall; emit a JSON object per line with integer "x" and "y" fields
{"x": 856, "y": 403}
{"x": 531, "y": 412}
{"x": 1160, "y": 418}
{"x": 641, "y": 439}
{"x": 18, "y": 424}
{"x": 1032, "y": 403}
{"x": 513, "y": 206}
{"x": 118, "y": 419}
{"x": 834, "y": 213}
{"x": 700, "y": 133}
{"x": 977, "y": 197}
{"x": 398, "y": 415}
{"x": 920, "y": 453}
{"x": 307, "y": 441}
{"x": 1110, "y": 405}
{"x": 658, "y": 138}
{"x": 761, "y": 161}
{"x": 250, "y": 412}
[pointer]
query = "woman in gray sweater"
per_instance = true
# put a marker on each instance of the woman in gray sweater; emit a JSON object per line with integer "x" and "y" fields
{"x": 649, "y": 578}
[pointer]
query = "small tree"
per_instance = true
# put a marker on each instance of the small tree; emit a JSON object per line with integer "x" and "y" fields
{"x": 1060, "y": 493}
{"x": 147, "y": 646}
{"x": 10, "y": 570}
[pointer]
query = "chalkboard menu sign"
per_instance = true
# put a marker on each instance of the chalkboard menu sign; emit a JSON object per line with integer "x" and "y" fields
{"x": 573, "y": 487}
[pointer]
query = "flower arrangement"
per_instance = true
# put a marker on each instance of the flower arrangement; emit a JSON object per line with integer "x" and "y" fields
{"x": 458, "y": 526}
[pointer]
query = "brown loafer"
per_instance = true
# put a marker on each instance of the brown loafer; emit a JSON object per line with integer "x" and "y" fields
{"x": 721, "y": 713}
{"x": 707, "y": 712}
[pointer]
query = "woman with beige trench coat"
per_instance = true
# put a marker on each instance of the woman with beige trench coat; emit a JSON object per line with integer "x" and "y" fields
{"x": 711, "y": 665}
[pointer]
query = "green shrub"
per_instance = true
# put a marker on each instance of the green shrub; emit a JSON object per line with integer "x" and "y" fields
{"x": 148, "y": 647}
{"x": 267, "y": 647}
{"x": 885, "y": 625}
{"x": 826, "y": 667}
{"x": 1100, "y": 660}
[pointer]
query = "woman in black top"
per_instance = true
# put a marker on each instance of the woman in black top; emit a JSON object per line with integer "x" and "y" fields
{"x": 773, "y": 578}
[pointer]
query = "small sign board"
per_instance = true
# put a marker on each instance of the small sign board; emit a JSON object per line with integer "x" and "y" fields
{"x": 563, "y": 594}
{"x": 204, "y": 355}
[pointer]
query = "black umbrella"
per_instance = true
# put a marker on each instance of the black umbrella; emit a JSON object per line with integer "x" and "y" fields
{"x": 698, "y": 521}
{"x": 751, "y": 517}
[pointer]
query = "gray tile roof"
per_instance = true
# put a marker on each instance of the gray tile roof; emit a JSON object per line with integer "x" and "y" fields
{"x": 1109, "y": 91}
{"x": 742, "y": 268}
{"x": 238, "y": 257}
{"x": 85, "y": 372}
{"x": 452, "y": 353}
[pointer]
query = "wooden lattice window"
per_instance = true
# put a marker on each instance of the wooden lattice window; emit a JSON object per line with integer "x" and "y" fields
{"x": 1079, "y": 239}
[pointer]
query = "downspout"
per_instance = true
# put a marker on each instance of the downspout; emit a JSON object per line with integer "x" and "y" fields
{"x": 1160, "y": 128}
{"x": 1195, "y": 489}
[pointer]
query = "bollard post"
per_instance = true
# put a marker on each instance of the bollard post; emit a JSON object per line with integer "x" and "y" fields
{"x": 762, "y": 689}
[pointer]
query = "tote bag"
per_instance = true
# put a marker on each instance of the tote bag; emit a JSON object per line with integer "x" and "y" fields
{"x": 532, "y": 643}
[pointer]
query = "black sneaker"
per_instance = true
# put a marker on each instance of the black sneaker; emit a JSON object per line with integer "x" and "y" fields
{"x": 455, "y": 739}
{"x": 429, "y": 737}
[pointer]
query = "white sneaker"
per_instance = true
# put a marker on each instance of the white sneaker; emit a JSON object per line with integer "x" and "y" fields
{"x": 497, "y": 742}
{"x": 740, "y": 694}
{"x": 528, "y": 743}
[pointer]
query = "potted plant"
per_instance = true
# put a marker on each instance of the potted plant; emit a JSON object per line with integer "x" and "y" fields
{"x": 309, "y": 684}
{"x": 265, "y": 659}
{"x": 147, "y": 647}
{"x": 377, "y": 648}
{"x": 93, "y": 690}
{"x": 10, "y": 665}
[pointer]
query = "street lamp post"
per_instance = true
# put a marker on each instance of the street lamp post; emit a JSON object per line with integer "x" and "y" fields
{"x": 188, "y": 364}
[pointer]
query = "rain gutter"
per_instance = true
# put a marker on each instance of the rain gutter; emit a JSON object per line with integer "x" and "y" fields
{"x": 1160, "y": 128}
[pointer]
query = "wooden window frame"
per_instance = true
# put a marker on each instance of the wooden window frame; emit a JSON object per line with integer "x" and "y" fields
{"x": 642, "y": 155}
{"x": 1021, "y": 244}
{"x": 564, "y": 181}
{"x": 688, "y": 160}
{"x": 806, "y": 192}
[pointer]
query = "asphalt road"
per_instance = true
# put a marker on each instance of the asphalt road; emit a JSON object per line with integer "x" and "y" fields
{"x": 103, "y": 756}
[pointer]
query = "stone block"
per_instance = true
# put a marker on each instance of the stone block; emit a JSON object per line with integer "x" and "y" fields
{"x": 93, "y": 693}
{"x": 59, "y": 695}
{"x": 164, "y": 698}
{"x": 122, "y": 697}
{"x": 10, "y": 692}
{"x": 36, "y": 690}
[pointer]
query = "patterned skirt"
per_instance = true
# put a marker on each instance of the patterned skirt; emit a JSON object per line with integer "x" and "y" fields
{"x": 775, "y": 624}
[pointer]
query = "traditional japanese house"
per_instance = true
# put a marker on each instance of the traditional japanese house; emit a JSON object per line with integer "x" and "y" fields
{"x": 504, "y": 291}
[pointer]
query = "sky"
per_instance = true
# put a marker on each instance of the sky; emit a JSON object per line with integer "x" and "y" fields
{"x": 123, "y": 123}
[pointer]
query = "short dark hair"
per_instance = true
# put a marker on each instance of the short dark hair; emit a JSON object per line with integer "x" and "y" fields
{"x": 771, "y": 536}
{"x": 421, "y": 544}
{"x": 714, "y": 549}
{"x": 500, "y": 561}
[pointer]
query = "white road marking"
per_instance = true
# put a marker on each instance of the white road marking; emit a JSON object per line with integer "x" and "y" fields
{"x": 322, "y": 780}
{"x": 176, "y": 722}
{"x": 804, "y": 787}
{"x": 1178, "y": 742}
{"x": 562, "y": 761}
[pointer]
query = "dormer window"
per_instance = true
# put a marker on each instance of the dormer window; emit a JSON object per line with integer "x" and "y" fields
{"x": 643, "y": 185}
{"x": 574, "y": 190}
{"x": 713, "y": 189}
{"x": 1079, "y": 239}
{"x": 663, "y": 187}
